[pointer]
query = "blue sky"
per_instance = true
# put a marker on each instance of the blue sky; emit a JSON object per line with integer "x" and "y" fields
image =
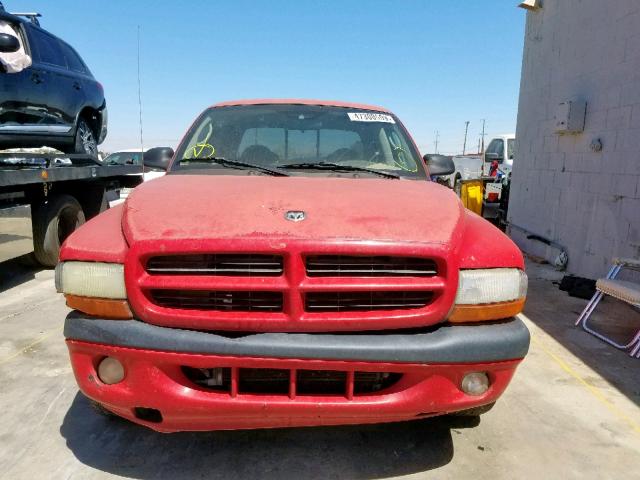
{"x": 435, "y": 63}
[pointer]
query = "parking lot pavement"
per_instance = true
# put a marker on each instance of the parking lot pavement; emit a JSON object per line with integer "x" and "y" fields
{"x": 571, "y": 412}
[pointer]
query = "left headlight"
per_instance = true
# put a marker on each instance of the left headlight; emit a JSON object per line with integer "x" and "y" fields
{"x": 95, "y": 288}
{"x": 91, "y": 279}
{"x": 489, "y": 294}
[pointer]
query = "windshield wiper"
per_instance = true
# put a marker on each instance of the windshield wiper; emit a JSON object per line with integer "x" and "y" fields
{"x": 235, "y": 164}
{"x": 337, "y": 168}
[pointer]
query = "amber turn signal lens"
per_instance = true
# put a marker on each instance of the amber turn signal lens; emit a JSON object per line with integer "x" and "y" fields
{"x": 100, "y": 307}
{"x": 482, "y": 313}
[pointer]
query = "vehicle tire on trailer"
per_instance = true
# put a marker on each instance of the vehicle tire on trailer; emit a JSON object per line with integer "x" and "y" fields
{"x": 93, "y": 199}
{"x": 474, "y": 412}
{"x": 85, "y": 140}
{"x": 52, "y": 224}
{"x": 104, "y": 203}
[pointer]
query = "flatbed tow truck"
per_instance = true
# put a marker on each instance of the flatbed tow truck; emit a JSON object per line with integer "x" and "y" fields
{"x": 45, "y": 197}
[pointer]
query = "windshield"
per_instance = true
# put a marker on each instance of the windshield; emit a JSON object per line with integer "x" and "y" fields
{"x": 291, "y": 137}
{"x": 123, "y": 158}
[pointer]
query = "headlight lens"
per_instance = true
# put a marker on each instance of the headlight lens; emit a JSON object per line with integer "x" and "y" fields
{"x": 489, "y": 294}
{"x": 91, "y": 279}
{"x": 491, "y": 286}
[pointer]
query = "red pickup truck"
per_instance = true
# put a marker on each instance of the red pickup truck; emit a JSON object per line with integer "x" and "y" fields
{"x": 295, "y": 267}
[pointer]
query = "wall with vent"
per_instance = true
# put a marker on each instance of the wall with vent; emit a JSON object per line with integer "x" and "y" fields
{"x": 586, "y": 200}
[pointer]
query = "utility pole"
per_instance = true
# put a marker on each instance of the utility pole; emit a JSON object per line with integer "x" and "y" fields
{"x": 482, "y": 135}
{"x": 437, "y": 136}
{"x": 140, "y": 98}
{"x": 466, "y": 129}
{"x": 478, "y": 145}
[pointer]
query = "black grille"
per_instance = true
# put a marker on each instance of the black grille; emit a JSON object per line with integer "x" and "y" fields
{"x": 232, "y": 265}
{"x": 231, "y": 301}
{"x": 319, "y": 382}
{"x": 270, "y": 381}
{"x": 378, "y": 266}
{"x": 370, "y": 382}
{"x": 217, "y": 379}
{"x": 365, "y": 301}
{"x": 263, "y": 380}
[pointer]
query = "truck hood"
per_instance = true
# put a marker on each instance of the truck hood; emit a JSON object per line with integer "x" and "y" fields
{"x": 197, "y": 207}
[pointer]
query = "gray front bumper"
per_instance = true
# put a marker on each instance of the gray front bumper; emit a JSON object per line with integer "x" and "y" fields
{"x": 492, "y": 342}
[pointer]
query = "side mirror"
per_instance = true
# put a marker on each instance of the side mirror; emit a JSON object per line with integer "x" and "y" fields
{"x": 9, "y": 43}
{"x": 490, "y": 157}
{"x": 158, "y": 158}
{"x": 439, "y": 165}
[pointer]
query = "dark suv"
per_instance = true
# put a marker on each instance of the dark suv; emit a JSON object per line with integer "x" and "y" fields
{"x": 56, "y": 101}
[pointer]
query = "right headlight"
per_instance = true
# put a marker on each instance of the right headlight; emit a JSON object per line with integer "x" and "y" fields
{"x": 489, "y": 294}
{"x": 95, "y": 288}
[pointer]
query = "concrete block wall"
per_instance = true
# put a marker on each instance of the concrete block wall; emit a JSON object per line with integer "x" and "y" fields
{"x": 587, "y": 201}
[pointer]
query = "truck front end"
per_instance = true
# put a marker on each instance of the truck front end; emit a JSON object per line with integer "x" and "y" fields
{"x": 227, "y": 297}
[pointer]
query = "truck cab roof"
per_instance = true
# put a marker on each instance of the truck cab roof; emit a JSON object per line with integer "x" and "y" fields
{"x": 300, "y": 101}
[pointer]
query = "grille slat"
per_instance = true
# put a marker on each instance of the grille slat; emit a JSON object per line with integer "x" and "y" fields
{"x": 365, "y": 301}
{"x": 231, "y": 265}
{"x": 227, "y": 301}
{"x": 369, "y": 266}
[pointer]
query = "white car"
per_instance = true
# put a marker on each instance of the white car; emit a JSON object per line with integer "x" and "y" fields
{"x": 135, "y": 156}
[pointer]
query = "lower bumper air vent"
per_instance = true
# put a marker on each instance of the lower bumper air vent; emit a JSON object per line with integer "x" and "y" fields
{"x": 272, "y": 381}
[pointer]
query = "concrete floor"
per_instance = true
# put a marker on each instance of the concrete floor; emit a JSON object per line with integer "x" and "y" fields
{"x": 572, "y": 411}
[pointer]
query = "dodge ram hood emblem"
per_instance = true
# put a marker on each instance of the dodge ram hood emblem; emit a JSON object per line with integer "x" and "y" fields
{"x": 295, "y": 215}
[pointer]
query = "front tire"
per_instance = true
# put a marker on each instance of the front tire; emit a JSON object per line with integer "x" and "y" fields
{"x": 52, "y": 224}
{"x": 457, "y": 185}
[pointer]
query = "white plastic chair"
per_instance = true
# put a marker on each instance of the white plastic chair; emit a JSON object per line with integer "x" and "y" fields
{"x": 627, "y": 292}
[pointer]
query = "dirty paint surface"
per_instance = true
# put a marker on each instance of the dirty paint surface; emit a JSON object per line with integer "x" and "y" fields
{"x": 212, "y": 206}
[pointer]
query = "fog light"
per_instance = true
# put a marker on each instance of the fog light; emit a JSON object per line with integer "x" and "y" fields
{"x": 475, "y": 383}
{"x": 110, "y": 371}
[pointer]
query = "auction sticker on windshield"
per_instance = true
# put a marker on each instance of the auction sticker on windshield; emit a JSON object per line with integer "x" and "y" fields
{"x": 370, "y": 117}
